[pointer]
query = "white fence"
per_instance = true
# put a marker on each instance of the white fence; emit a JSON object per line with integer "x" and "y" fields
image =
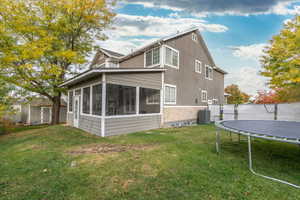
{"x": 289, "y": 112}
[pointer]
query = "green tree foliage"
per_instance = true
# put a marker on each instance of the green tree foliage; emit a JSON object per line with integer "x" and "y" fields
{"x": 41, "y": 41}
{"x": 281, "y": 62}
{"x": 236, "y": 96}
{"x": 6, "y": 99}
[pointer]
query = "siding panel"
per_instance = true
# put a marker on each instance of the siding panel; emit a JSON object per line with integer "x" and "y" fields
{"x": 117, "y": 126}
{"x": 90, "y": 124}
{"x": 149, "y": 80}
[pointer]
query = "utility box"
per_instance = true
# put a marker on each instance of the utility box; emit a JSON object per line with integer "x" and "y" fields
{"x": 203, "y": 117}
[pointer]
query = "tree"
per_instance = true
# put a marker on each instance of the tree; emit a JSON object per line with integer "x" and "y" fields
{"x": 6, "y": 99}
{"x": 236, "y": 96}
{"x": 267, "y": 97}
{"x": 42, "y": 41}
{"x": 281, "y": 62}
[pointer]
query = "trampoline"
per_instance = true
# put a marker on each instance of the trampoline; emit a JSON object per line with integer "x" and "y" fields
{"x": 282, "y": 131}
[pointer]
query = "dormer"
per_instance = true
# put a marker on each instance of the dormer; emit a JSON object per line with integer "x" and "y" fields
{"x": 105, "y": 58}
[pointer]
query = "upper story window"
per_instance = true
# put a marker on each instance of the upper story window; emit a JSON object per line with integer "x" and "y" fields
{"x": 194, "y": 37}
{"x": 171, "y": 57}
{"x": 198, "y": 66}
{"x": 152, "y": 57}
{"x": 208, "y": 72}
{"x": 170, "y": 94}
{"x": 204, "y": 96}
{"x": 70, "y": 101}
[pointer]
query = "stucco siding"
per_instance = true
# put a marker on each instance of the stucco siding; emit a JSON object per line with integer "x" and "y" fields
{"x": 90, "y": 124}
{"x": 149, "y": 80}
{"x": 123, "y": 125}
{"x": 177, "y": 114}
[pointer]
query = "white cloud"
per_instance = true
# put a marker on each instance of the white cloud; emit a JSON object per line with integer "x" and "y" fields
{"x": 254, "y": 51}
{"x": 152, "y": 5}
{"x": 132, "y": 31}
{"x": 225, "y": 7}
{"x": 153, "y": 26}
{"x": 248, "y": 80}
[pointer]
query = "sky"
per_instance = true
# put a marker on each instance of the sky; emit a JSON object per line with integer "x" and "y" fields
{"x": 235, "y": 31}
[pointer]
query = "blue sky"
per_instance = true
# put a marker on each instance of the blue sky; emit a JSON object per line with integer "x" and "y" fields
{"x": 235, "y": 31}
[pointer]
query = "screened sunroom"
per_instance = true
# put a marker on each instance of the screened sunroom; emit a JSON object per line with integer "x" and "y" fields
{"x": 115, "y": 101}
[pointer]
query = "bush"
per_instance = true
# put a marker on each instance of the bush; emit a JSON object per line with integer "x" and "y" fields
{"x": 5, "y": 125}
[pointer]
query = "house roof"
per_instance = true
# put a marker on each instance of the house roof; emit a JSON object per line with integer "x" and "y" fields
{"x": 94, "y": 72}
{"x": 170, "y": 37}
{"x": 163, "y": 39}
{"x": 111, "y": 53}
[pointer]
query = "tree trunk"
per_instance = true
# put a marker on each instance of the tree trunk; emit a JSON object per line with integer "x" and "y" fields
{"x": 55, "y": 109}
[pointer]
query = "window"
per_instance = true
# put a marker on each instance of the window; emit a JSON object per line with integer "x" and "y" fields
{"x": 172, "y": 57}
{"x": 198, "y": 66}
{"x": 86, "y": 100}
{"x": 204, "y": 96}
{"x": 152, "y": 57}
{"x": 97, "y": 99}
{"x": 120, "y": 100}
{"x": 194, "y": 37}
{"x": 70, "y": 101}
{"x": 215, "y": 101}
{"x": 149, "y": 101}
{"x": 208, "y": 72}
{"x": 170, "y": 94}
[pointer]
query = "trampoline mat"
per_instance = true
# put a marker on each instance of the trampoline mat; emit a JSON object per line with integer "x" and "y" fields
{"x": 282, "y": 129}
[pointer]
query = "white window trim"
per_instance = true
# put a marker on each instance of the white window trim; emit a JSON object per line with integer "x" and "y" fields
{"x": 194, "y": 37}
{"x": 169, "y": 65}
{"x": 204, "y": 91}
{"x": 151, "y": 103}
{"x": 71, "y": 112}
{"x": 91, "y": 100}
{"x": 210, "y": 75}
{"x": 155, "y": 65}
{"x": 198, "y": 61}
{"x": 173, "y": 86}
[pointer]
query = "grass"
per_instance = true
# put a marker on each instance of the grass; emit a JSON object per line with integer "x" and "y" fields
{"x": 60, "y": 162}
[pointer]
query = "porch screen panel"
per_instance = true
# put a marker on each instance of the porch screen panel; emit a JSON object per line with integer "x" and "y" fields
{"x": 86, "y": 100}
{"x": 71, "y": 101}
{"x": 120, "y": 100}
{"x": 149, "y": 101}
{"x": 97, "y": 99}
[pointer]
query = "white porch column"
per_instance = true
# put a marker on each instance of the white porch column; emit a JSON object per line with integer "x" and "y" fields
{"x": 103, "y": 107}
{"x": 162, "y": 98}
{"x": 137, "y": 109}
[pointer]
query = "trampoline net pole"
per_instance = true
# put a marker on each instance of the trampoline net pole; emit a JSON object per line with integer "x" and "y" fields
{"x": 217, "y": 140}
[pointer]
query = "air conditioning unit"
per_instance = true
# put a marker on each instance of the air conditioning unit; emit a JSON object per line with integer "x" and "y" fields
{"x": 203, "y": 117}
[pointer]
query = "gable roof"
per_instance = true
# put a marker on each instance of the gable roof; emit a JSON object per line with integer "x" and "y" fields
{"x": 163, "y": 39}
{"x": 111, "y": 53}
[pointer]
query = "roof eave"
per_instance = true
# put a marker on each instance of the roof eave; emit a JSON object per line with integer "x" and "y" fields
{"x": 101, "y": 71}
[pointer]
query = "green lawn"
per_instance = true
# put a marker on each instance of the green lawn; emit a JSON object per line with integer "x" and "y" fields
{"x": 60, "y": 162}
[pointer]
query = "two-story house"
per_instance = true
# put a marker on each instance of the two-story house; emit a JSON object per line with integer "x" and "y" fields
{"x": 164, "y": 83}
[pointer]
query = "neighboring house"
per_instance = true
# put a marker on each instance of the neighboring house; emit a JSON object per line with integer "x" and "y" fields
{"x": 162, "y": 84}
{"x": 36, "y": 111}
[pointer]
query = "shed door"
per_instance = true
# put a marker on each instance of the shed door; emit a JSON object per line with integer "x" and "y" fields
{"x": 46, "y": 115}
